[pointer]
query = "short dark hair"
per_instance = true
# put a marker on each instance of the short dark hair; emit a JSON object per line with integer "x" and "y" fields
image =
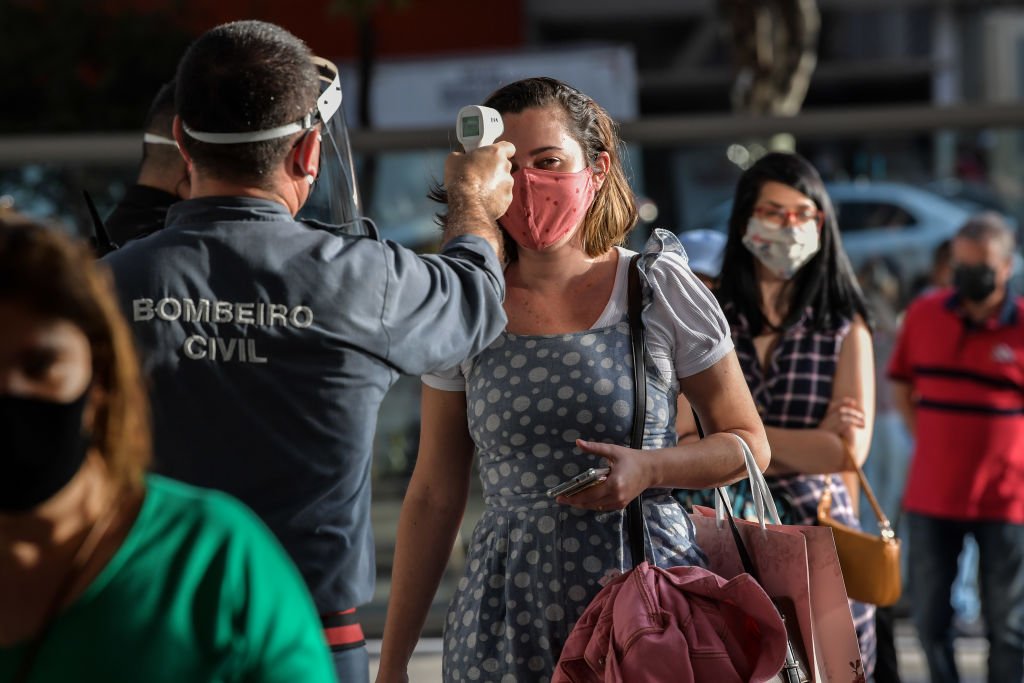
{"x": 160, "y": 121}
{"x": 239, "y": 77}
{"x": 160, "y": 117}
{"x": 826, "y": 285}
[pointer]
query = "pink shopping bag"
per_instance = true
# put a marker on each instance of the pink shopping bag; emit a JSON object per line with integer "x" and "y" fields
{"x": 798, "y": 567}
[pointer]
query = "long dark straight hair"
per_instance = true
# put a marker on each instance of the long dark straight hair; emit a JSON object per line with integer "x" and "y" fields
{"x": 826, "y": 284}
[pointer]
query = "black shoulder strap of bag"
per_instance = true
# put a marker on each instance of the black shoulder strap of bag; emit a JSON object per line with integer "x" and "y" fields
{"x": 635, "y": 510}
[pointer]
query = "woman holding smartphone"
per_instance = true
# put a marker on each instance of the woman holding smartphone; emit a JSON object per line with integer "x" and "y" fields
{"x": 552, "y": 397}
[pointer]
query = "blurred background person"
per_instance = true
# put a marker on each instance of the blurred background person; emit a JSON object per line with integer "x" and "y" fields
{"x": 800, "y": 325}
{"x": 108, "y": 574}
{"x": 940, "y": 275}
{"x": 886, "y": 464}
{"x": 956, "y": 381}
{"x": 965, "y": 598}
{"x": 704, "y": 250}
{"x": 163, "y": 176}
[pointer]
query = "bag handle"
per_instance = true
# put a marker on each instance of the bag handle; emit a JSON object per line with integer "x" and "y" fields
{"x": 634, "y": 510}
{"x": 884, "y": 526}
{"x": 764, "y": 503}
{"x": 791, "y": 671}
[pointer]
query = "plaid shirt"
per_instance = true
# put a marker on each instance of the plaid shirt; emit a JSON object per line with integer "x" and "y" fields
{"x": 795, "y": 393}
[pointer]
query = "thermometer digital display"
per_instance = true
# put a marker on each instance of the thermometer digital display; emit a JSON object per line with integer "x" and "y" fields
{"x": 477, "y": 126}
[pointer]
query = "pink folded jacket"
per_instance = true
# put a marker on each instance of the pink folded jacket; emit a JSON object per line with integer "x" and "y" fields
{"x": 680, "y": 624}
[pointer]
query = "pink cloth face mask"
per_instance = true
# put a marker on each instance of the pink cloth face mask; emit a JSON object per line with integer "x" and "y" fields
{"x": 547, "y": 205}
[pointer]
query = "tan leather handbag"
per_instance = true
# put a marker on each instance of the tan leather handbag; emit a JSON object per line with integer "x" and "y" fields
{"x": 871, "y": 564}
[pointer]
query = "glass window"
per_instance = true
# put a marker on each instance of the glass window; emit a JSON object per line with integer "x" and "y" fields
{"x": 857, "y": 215}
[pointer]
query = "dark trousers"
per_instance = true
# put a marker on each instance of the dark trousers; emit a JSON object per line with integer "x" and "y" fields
{"x": 934, "y": 545}
{"x": 887, "y": 662}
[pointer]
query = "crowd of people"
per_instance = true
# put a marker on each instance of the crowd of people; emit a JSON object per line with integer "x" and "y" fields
{"x": 186, "y": 491}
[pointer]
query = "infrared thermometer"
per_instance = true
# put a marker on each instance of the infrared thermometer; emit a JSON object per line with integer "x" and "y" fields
{"x": 477, "y": 126}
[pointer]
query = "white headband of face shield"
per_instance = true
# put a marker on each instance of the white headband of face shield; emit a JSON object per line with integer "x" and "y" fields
{"x": 327, "y": 104}
{"x": 154, "y": 139}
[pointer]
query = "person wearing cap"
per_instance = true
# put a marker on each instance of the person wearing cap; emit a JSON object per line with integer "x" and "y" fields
{"x": 270, "y": 341}
{"x": 163, "y": 176}
{"x": 704, "y": 249}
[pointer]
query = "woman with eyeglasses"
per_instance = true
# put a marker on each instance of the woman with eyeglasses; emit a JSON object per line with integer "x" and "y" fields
{"x": 800, "y": 326}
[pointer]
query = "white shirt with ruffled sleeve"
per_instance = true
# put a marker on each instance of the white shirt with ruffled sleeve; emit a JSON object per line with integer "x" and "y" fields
{"x": 684, "y": 327}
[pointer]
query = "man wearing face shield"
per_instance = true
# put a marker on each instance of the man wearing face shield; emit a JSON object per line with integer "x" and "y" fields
{"x": 163, "y": 176}
{"x": 957, "y": 382}
{"x": 271, "y": 341}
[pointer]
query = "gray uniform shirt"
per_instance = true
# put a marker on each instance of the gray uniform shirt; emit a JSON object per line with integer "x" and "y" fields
{"x": 269, "y": 345}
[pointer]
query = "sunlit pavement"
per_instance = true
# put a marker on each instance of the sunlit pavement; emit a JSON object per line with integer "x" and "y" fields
{"x": 971, "y": 653}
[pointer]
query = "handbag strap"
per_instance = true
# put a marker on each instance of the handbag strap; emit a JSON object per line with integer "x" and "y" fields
{"x": 791, "y": 671}
{"x": 884, "y": 526}
{"x": 635, "y": 510}
{"x": 741, "y": 547}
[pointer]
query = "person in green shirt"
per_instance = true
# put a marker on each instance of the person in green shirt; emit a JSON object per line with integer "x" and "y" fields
{"x": 107, "y": 574}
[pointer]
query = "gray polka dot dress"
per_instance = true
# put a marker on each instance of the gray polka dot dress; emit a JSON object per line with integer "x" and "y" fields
{"x": 534, "y": 565}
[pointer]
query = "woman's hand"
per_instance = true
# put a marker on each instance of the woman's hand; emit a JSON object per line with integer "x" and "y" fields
{"x": 632, "y": 472}
{"x": 843, "y": 418}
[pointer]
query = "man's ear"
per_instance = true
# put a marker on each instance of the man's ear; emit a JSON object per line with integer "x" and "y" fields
{"x": 179, "y": 135}
{"x": 305, "y": 156}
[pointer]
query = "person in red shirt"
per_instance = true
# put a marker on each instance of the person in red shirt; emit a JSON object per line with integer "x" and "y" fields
{"x": 958, "y": 381}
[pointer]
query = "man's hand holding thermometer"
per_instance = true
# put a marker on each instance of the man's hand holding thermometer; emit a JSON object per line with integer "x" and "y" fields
{"x": 479, "y": 181}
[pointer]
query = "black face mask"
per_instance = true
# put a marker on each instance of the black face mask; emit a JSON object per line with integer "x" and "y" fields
{"x": 974, "y": 283}
{"x": 42, "y": 446}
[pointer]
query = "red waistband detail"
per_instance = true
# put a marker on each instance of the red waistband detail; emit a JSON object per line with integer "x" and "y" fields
{"x": 344, "y": 635}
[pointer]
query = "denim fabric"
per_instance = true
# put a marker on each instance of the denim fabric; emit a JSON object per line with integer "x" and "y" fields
{"x": 353, "y": 666}
{"x": 934, "y": 546}
{"x": 966, "y": 593}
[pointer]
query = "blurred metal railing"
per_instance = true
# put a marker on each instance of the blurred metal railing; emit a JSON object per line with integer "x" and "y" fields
{"x": 125, "y": 148}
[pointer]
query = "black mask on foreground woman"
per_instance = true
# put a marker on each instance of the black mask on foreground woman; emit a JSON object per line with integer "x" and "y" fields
{"x": 44, "y": 447}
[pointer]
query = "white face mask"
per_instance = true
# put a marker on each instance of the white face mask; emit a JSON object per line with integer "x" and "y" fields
{"x": 782, "y": 250}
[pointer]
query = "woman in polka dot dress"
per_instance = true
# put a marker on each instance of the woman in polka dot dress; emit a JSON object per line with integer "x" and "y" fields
{"x": 554, "y": 396}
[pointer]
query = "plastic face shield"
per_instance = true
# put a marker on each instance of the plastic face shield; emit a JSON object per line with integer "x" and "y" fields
{"x": 334, "y": 197}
